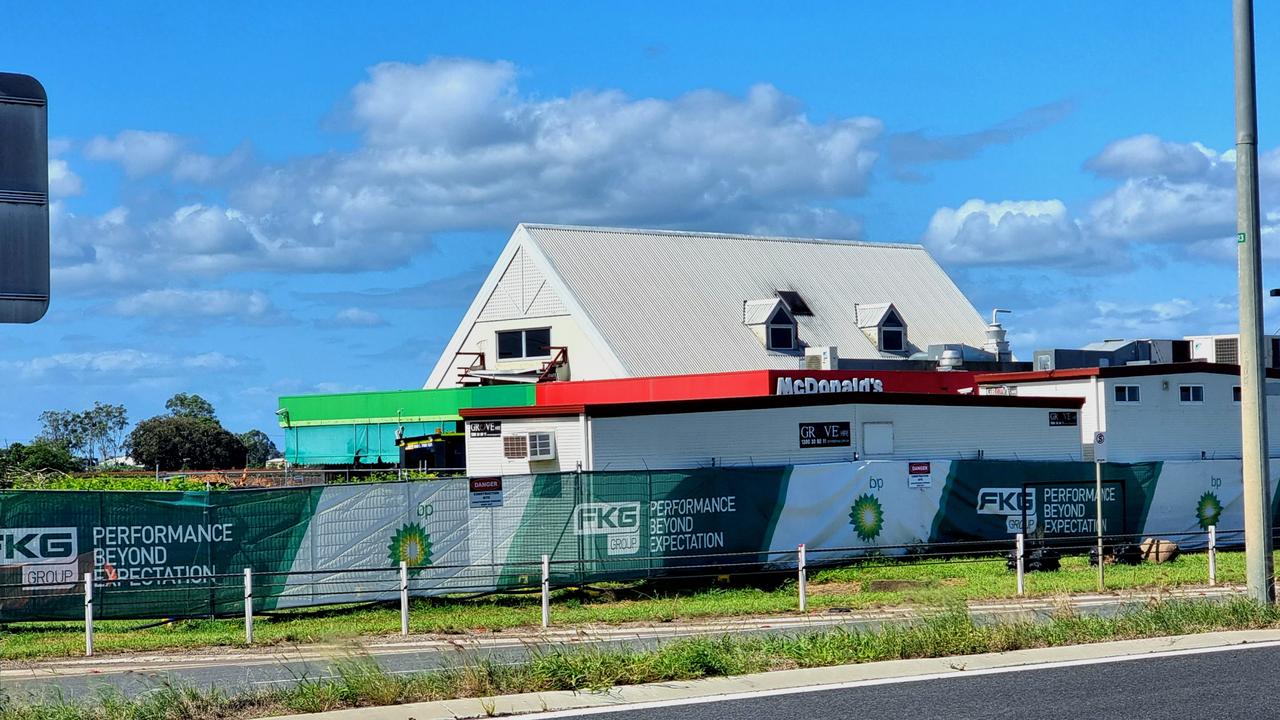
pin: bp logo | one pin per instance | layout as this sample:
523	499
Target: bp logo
866	516
1208	510
410	545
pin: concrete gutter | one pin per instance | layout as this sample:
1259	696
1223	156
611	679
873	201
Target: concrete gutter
632	697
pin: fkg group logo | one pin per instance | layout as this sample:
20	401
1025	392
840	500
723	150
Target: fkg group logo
620	522
1013	503
411	545
48	556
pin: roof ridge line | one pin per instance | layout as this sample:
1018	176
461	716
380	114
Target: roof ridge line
731	236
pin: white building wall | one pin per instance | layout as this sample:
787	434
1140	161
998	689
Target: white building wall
524	300
485	456
771	436
1160	426
954	432
1064	389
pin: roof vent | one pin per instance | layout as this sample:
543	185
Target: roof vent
795	303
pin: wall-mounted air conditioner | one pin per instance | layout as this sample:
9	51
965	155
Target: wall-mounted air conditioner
542	446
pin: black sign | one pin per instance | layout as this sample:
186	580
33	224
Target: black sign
24	199
832	434
1066	418
487	428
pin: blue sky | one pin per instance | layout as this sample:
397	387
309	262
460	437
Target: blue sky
275	198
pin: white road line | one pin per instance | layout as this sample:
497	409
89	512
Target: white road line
582	712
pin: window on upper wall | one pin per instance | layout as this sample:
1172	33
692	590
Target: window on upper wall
1191	393
1235	394
517	344
1128	394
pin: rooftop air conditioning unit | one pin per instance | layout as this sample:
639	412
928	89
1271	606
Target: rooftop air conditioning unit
824	357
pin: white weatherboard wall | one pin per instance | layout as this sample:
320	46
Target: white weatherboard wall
770	436
485	455
1160	426
524	299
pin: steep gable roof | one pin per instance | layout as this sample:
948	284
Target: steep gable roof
613	280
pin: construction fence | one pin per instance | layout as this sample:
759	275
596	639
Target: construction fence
168	554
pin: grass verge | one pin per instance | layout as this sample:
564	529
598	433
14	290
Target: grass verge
362	683
866	585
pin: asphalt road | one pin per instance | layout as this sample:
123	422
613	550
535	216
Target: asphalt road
1236	684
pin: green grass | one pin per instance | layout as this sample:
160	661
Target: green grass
361	683
872	584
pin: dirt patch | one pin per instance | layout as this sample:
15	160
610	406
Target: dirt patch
953	582
895	585
836	588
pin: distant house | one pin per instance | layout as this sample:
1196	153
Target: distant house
587	303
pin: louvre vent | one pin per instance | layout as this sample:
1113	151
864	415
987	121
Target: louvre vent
1226	350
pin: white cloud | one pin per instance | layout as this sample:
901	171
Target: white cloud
252	306
1156	209
452	144
355	317
63	182
1144	155
116	365
1017	231
139	152
1174	192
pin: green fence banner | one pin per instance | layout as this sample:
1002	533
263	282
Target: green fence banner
182	554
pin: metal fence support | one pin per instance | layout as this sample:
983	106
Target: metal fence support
546	591
88	614
248	606
1213	555
803	577
1019	551
404	598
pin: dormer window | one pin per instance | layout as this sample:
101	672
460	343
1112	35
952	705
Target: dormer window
883	326
782	330
772	322
893	337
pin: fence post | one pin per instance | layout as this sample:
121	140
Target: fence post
88	614
803	577
404	598
1019	551
248	606
1213	555
546	591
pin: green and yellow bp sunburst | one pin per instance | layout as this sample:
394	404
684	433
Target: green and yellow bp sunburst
1208	510
410	545
866	516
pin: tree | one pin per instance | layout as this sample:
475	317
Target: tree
39	456
185	442
65	428
259	447
191	406
105	425
93	434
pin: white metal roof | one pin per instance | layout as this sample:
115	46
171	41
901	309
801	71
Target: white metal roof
668	302
758	312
